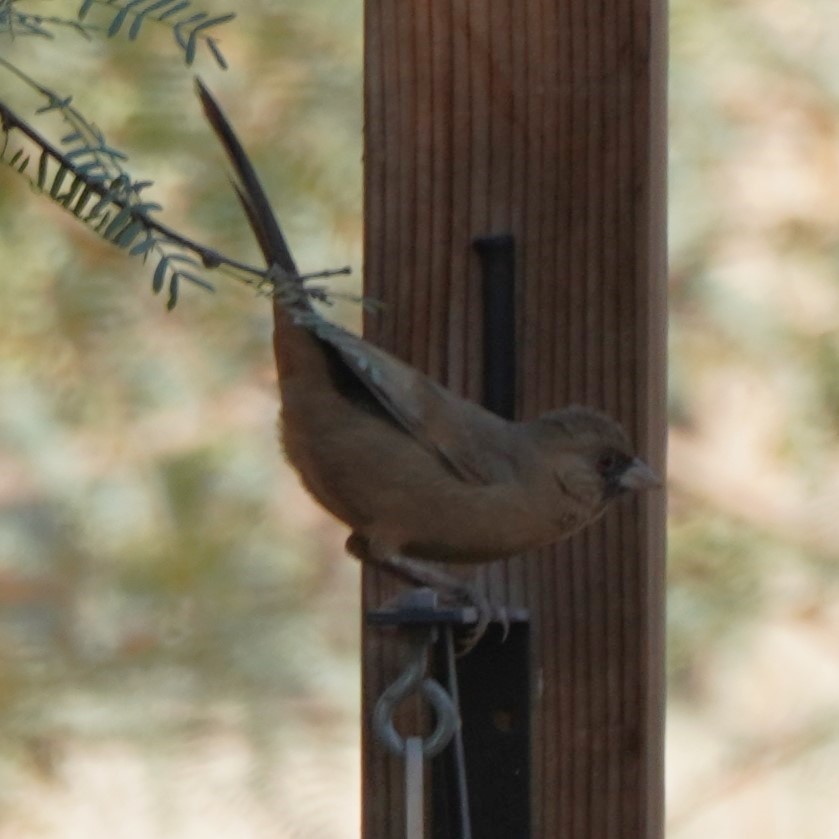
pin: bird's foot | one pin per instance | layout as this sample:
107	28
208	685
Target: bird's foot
449	587
471	595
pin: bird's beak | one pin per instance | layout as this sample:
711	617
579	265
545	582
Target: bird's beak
638	477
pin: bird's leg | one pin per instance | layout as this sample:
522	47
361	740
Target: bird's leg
421	573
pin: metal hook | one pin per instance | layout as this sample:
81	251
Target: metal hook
409	681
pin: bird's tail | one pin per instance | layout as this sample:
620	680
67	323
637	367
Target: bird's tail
266	228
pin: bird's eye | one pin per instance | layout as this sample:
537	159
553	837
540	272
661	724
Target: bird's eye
608	462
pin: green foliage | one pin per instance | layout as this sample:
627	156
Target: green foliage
90	183
188	27
16	23
113	17
88	177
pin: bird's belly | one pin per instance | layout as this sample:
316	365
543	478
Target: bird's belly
384	485
464	523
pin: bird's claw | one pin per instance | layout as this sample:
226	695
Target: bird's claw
487	614
502	616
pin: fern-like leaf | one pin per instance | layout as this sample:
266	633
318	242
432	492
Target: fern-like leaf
14	22
58	180
89	181
174	283
86	6
189	28
110	206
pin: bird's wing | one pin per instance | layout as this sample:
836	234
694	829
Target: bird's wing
433	416
470	440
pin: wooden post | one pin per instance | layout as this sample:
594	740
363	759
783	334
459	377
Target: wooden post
544	119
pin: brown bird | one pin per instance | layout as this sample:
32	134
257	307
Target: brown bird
414	470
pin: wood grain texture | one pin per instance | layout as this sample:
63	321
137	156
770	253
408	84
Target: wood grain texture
544	119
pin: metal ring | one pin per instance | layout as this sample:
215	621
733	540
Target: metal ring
447	720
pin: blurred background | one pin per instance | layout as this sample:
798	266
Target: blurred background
178	622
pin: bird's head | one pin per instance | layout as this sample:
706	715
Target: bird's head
593	458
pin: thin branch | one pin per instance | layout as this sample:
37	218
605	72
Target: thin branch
104	196
210	258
